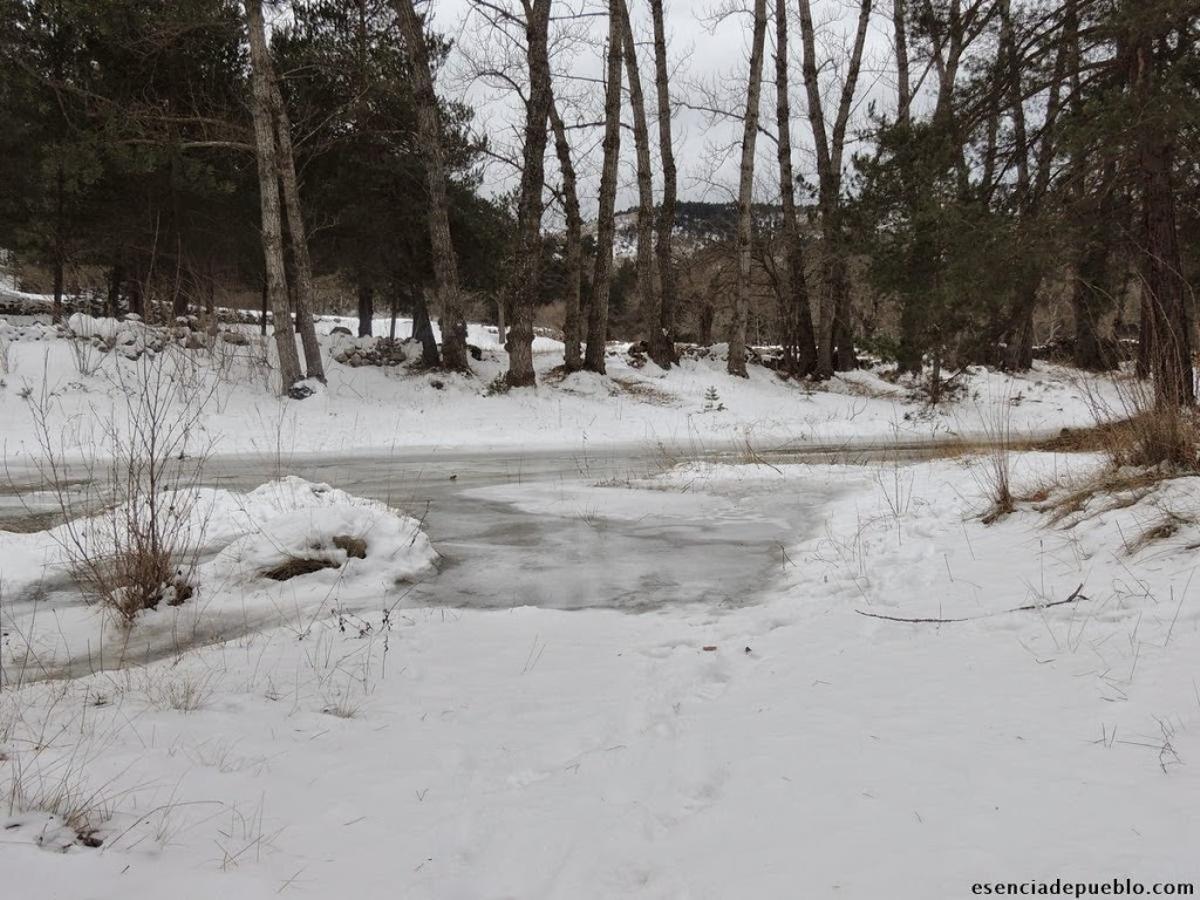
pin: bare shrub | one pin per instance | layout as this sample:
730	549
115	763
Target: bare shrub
87	356
138	545
184	692
994	474
1135	429
60	790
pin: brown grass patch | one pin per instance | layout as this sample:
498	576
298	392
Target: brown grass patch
1122	488
296	567
1146	439
353	547
645	392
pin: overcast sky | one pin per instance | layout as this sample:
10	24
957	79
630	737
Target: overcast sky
709	56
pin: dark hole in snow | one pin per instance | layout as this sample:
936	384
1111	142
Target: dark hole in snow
353	547
294	568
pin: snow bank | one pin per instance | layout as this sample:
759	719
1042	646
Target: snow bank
363	546
30	331
369	407
365	549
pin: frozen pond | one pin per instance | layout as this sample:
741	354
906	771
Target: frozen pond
559	529
568	531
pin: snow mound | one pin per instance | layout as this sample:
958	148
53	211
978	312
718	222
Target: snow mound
34	331
351	543
289	547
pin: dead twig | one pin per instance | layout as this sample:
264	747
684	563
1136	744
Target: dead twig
1075	596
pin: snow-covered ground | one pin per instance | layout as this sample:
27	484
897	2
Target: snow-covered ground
790	746
643	677
693	406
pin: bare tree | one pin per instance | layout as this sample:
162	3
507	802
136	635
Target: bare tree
799	346
445	263
268	189
605	223
572	358
834	348
526	284
1032	182
647	288
662	338
736	364
297	235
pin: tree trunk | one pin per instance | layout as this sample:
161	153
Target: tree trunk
268	189
662	339
445	262
527	282
56	305
835	349
736	364
298	236
116	277
366	308
263	308
903	82
1166	351
605	223
573	359
1164	290
648	308
708	312
799	346
1089	302
423	327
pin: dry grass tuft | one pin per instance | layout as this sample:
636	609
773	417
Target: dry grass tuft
297	566
354	547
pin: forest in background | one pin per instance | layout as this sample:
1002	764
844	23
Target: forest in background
1029	168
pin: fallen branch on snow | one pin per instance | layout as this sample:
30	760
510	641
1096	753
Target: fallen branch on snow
1075	596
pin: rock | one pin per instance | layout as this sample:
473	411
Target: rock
235	337
300	391
341	329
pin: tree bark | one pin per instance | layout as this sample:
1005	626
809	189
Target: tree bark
834	340
116	277
1164	290
572	354
60	253
366	308
662	339
526	283
799	345
423	326
1089	302
648	308
605	223
268	189
736	364
429	132
297	235
903	82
